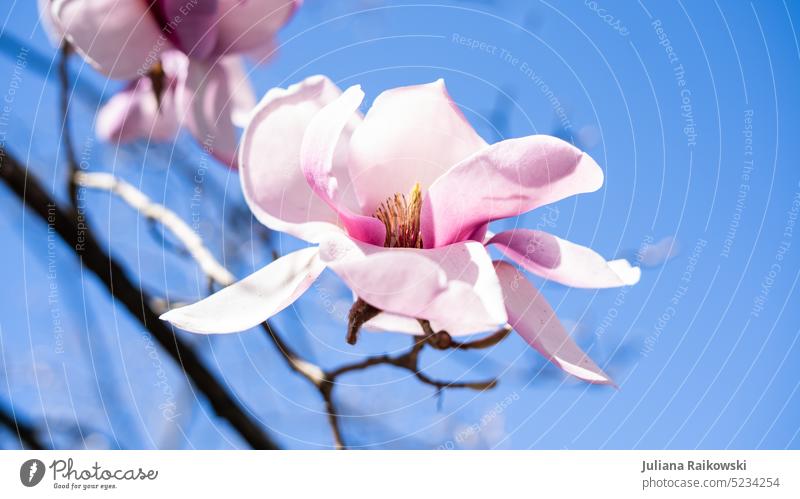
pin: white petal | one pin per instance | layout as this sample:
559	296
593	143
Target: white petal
563	261
254	299
269	160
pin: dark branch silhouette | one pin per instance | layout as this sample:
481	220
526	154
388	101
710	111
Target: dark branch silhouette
66	138
325	381
76	234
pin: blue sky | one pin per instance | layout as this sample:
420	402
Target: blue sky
689	107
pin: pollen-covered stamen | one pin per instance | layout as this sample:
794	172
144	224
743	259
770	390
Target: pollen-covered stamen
400	216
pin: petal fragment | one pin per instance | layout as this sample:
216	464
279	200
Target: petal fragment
247	26
454	287
269	159
317	161
243	98
135	114
254	299
563	261
196	33
410	135
504	180
119	37
206	105
532	317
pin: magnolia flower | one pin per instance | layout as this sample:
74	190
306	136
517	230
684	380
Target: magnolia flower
397	203
182	57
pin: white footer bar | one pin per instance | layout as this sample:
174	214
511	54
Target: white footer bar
383	474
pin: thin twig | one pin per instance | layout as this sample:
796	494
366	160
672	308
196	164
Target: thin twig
308	370
66	138
326	390
485	342
408	360
137	200
313	373
77	235
325	381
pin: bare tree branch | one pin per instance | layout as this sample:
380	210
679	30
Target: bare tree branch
408	361
139	201
485	342
66	138
77	235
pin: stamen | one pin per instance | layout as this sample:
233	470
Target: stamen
401	217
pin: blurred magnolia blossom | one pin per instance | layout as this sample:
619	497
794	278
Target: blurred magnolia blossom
659	253
182	59
397	203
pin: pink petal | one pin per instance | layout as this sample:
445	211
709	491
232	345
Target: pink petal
119	37
532	317
454	287
248	26
410	134
395	323
274	185
252	300
263	54
206	106
49	24
504	180
196	33
562	261
134	114
243	100
317	161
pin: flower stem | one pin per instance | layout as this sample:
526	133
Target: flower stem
359	314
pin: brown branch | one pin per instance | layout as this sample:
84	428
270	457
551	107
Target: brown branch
313	373
485	342
410	362
360	313
66	138
72	228
326	390
441	340
136	199
325	381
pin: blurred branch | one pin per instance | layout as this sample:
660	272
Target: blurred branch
25	434
139	201
66	138
72	228
485	342
325	381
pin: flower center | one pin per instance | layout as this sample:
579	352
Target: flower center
400	216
